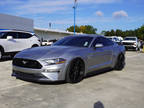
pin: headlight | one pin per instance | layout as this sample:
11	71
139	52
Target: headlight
54	61
135	43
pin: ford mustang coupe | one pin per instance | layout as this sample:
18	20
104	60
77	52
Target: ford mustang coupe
69	59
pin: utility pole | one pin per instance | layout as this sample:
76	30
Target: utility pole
74	7
50	24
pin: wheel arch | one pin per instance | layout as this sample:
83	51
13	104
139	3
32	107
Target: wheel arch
116	58
69	63
2	49
121	53
79	59
35	45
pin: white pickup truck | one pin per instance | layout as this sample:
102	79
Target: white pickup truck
131	43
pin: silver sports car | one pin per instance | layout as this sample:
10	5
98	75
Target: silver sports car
69	59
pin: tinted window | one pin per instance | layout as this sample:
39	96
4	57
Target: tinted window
110	38
75	41
130	39
13	34
53	40
24	35
108	42
3	35
102	40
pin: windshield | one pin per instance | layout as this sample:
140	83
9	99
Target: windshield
74	41
109	38
130	39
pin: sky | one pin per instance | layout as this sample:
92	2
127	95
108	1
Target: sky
102	14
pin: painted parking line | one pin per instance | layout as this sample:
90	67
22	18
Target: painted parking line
133	56
11	87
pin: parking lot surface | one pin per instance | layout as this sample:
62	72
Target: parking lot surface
114	89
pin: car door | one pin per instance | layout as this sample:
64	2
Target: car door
108	51
24	39
95	57
99	57
12	45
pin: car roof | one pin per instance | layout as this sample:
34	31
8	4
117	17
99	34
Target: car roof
88	35
131	37
5	30
112	37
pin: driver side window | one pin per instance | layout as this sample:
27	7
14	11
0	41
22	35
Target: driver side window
13	34
102	40
98	40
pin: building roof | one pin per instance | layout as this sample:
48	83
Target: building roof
55	31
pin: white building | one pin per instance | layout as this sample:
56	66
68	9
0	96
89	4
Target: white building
19	23
49	34
15	23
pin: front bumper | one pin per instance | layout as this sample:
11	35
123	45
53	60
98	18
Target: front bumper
49	74
130	46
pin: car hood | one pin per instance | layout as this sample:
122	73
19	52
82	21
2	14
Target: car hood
46	52
128	41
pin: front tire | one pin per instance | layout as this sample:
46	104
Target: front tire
120	63
75	72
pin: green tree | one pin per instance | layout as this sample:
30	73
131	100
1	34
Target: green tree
112	32
87	29
137	32
107	33
118	32
71	29
103	32
140	32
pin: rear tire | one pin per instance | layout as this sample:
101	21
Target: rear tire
75	71
120	62
1	54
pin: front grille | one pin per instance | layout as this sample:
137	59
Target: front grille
27	75
125	43
26	63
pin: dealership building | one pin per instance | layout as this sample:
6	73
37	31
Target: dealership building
50	34
9	22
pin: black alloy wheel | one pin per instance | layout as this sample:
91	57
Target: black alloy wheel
75	71
120	62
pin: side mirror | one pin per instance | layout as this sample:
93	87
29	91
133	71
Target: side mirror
98	45
9	37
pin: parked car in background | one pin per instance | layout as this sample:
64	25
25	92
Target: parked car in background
115	39
120	38
69	59
44	42
131	43
48	42
12	41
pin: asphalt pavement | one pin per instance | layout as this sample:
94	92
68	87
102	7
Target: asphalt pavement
113	89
